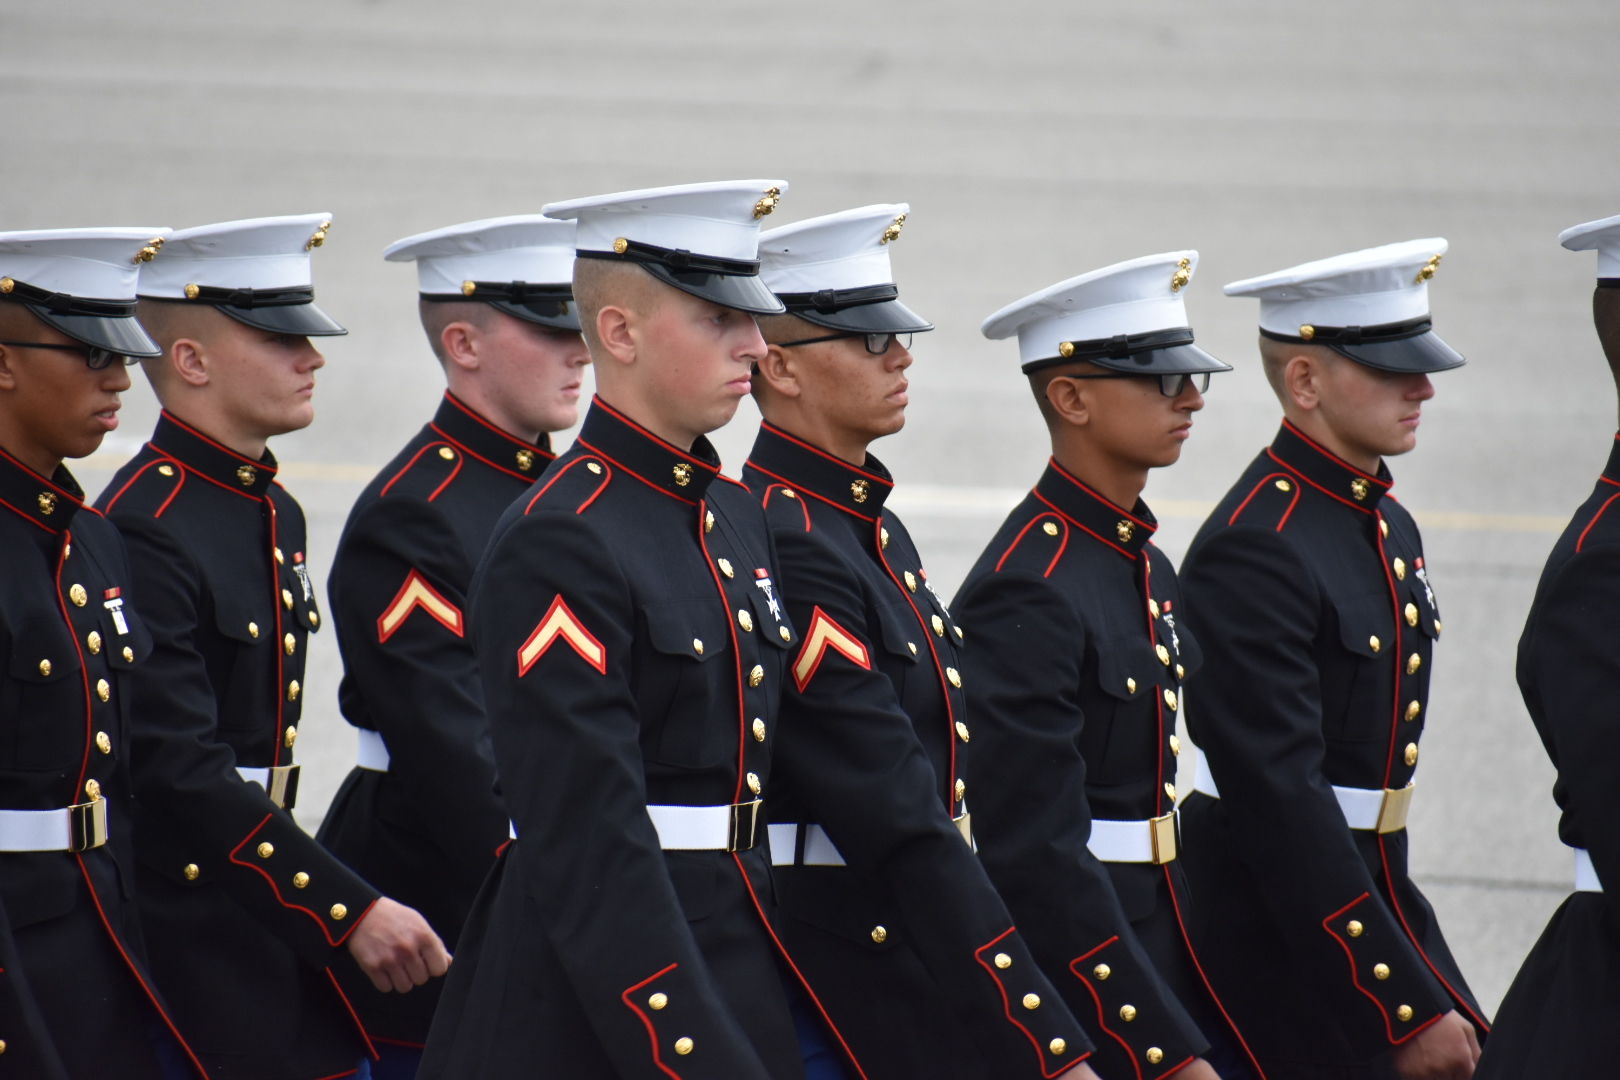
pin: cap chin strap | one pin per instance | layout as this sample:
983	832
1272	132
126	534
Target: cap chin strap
1118	347
828	301
1356	335
64	304
680	260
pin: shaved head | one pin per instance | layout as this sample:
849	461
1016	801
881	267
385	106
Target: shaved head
15	320
438	314
1274	357
168	321
600	283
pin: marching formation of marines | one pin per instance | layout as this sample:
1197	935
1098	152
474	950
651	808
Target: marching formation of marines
679	766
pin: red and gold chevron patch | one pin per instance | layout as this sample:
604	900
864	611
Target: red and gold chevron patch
824	634
560	623
417	593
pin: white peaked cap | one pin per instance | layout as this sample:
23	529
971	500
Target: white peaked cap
846	250
1603	236
256	253
529	248
719	219
1373	287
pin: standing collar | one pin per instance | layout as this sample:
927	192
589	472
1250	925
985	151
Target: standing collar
857	490
199	454
1126	531
50	504
472	434
1328	473
1611	471
680	474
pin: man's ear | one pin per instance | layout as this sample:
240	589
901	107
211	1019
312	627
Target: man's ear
1068	401
460	341
780	370
8	377
617	331
1301	379
190	361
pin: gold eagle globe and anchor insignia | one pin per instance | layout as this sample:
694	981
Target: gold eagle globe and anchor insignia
149	252
767	203
1427	270
892	232
319	236
1183	274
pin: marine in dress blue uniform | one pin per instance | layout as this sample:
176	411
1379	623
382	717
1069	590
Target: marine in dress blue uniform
1554	1020
246	914
76	997
626	932
1318	618
419	816
1078	654
893	920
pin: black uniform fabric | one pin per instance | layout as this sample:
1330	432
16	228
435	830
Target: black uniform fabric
616	675
1556	1019
1318	620
425	831
1076	653
75	995
245	913
908	945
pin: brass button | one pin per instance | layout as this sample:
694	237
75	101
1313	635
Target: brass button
753	783
594	467
300	880
1127	1013
165	470
1411	615
1181	672
954	677
1057	1046
45	668
253	629
957	630
745	620
286	599
1283	485
1437	628
1163	654
960	790
1050	528
103	742
1399	566
1154	1055
290	736
292	690
708	515
103	689
1175	745
1101	972
1380	971
1413	662
683	1045
1003	961
192	871
1413	710
525	459
280	556
1383	528
1404	1014
784	633
93	640
756	676
1032	1001
1170	699
789	493
1170	792
962	731
77	594
92	788
1375	644
1153	607
912	645
266	850
290	644
911	581
339	912
1353	928
447	453
883	537
657	1002
697	646
759	730
682	473
725	566
880	934
1411	754
938	624
1130	685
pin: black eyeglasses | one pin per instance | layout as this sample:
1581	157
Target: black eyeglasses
1169	385
95	357
876	344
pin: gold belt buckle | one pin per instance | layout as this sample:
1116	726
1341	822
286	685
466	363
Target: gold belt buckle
87	825
964	825
1392	812
744	824
283	786
1162	830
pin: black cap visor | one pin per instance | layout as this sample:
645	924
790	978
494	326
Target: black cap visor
740	291
1156	352
302	320
1418	351
1175	360
123	335
888	317
557	314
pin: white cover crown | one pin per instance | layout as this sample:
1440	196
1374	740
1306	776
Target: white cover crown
95	264
1139	296
846	250
530	248
1371	287
255	253
1602	235
719	219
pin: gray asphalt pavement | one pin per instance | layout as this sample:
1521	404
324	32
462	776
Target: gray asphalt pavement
1035	141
